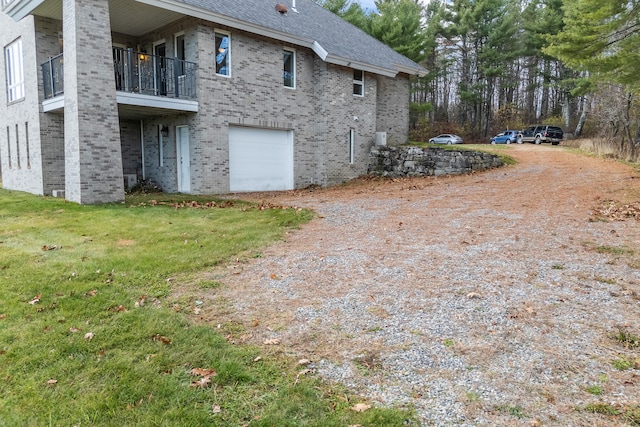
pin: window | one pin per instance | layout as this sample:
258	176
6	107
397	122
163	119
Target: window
179	53
223	61
358	82
289	60
352	145
15	70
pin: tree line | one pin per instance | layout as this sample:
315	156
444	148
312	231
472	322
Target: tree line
506	64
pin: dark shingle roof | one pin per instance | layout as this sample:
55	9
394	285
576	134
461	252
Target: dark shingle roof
332	38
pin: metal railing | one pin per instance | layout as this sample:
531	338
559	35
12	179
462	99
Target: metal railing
135	72
53	76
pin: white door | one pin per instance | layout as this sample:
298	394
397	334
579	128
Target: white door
184	161
260	159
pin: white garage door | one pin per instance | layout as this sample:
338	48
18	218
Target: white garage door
260	159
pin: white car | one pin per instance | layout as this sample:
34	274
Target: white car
446	138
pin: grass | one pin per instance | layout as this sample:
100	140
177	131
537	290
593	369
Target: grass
89	334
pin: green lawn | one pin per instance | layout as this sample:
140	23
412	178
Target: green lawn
89	336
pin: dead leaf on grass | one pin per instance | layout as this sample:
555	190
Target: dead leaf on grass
304	361
73	330
3	316
360	407
272	341
35	299
92	293
203	372
161	338
216	409
89	336
52	382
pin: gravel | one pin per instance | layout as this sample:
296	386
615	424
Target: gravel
481	300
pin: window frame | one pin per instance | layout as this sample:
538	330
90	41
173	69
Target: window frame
222	35
180	52
14	61
352	146
286	50
358	83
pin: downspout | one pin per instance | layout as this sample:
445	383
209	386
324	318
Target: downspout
144	175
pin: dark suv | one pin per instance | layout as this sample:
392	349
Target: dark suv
541	133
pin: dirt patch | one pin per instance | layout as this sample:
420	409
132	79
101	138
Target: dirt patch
484	299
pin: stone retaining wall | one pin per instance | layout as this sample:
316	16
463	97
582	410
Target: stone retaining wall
414	161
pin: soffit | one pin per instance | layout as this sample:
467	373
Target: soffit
127	17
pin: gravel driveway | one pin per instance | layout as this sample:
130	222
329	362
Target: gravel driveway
480	300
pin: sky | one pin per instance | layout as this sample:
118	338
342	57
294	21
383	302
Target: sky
367	4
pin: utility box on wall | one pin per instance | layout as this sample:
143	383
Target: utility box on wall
381	138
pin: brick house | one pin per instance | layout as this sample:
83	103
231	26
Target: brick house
199	96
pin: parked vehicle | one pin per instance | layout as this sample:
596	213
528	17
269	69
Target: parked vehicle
446	138
541	133
506	137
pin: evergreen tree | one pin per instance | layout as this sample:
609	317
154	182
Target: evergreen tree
603	38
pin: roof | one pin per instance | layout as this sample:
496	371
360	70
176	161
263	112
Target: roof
332	38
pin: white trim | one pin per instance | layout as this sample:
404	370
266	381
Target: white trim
137	99
175	44
226	34
164	102
294	59
14	61
352	145
358	82
20	9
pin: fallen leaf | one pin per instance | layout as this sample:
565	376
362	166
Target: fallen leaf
35	299
202	382
88	336
73	330
92	293
161	338
472	295
360	407
119	308
255	323
216	409
257	359
272	341
304	361
204	372
52	381
3	316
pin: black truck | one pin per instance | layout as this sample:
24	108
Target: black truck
541	133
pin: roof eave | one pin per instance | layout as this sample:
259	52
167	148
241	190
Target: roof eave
228	21
21	8
413	71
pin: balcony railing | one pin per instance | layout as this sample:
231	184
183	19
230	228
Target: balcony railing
135	72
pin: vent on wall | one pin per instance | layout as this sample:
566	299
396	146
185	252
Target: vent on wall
381	138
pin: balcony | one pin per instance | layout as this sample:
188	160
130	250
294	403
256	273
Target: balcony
135	73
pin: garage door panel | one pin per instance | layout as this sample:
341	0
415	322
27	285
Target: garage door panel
260	160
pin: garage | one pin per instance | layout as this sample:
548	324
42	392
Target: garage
260	159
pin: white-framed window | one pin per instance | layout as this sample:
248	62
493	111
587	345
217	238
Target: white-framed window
15	70
223	54
289	67
179	52
358	82
352	145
